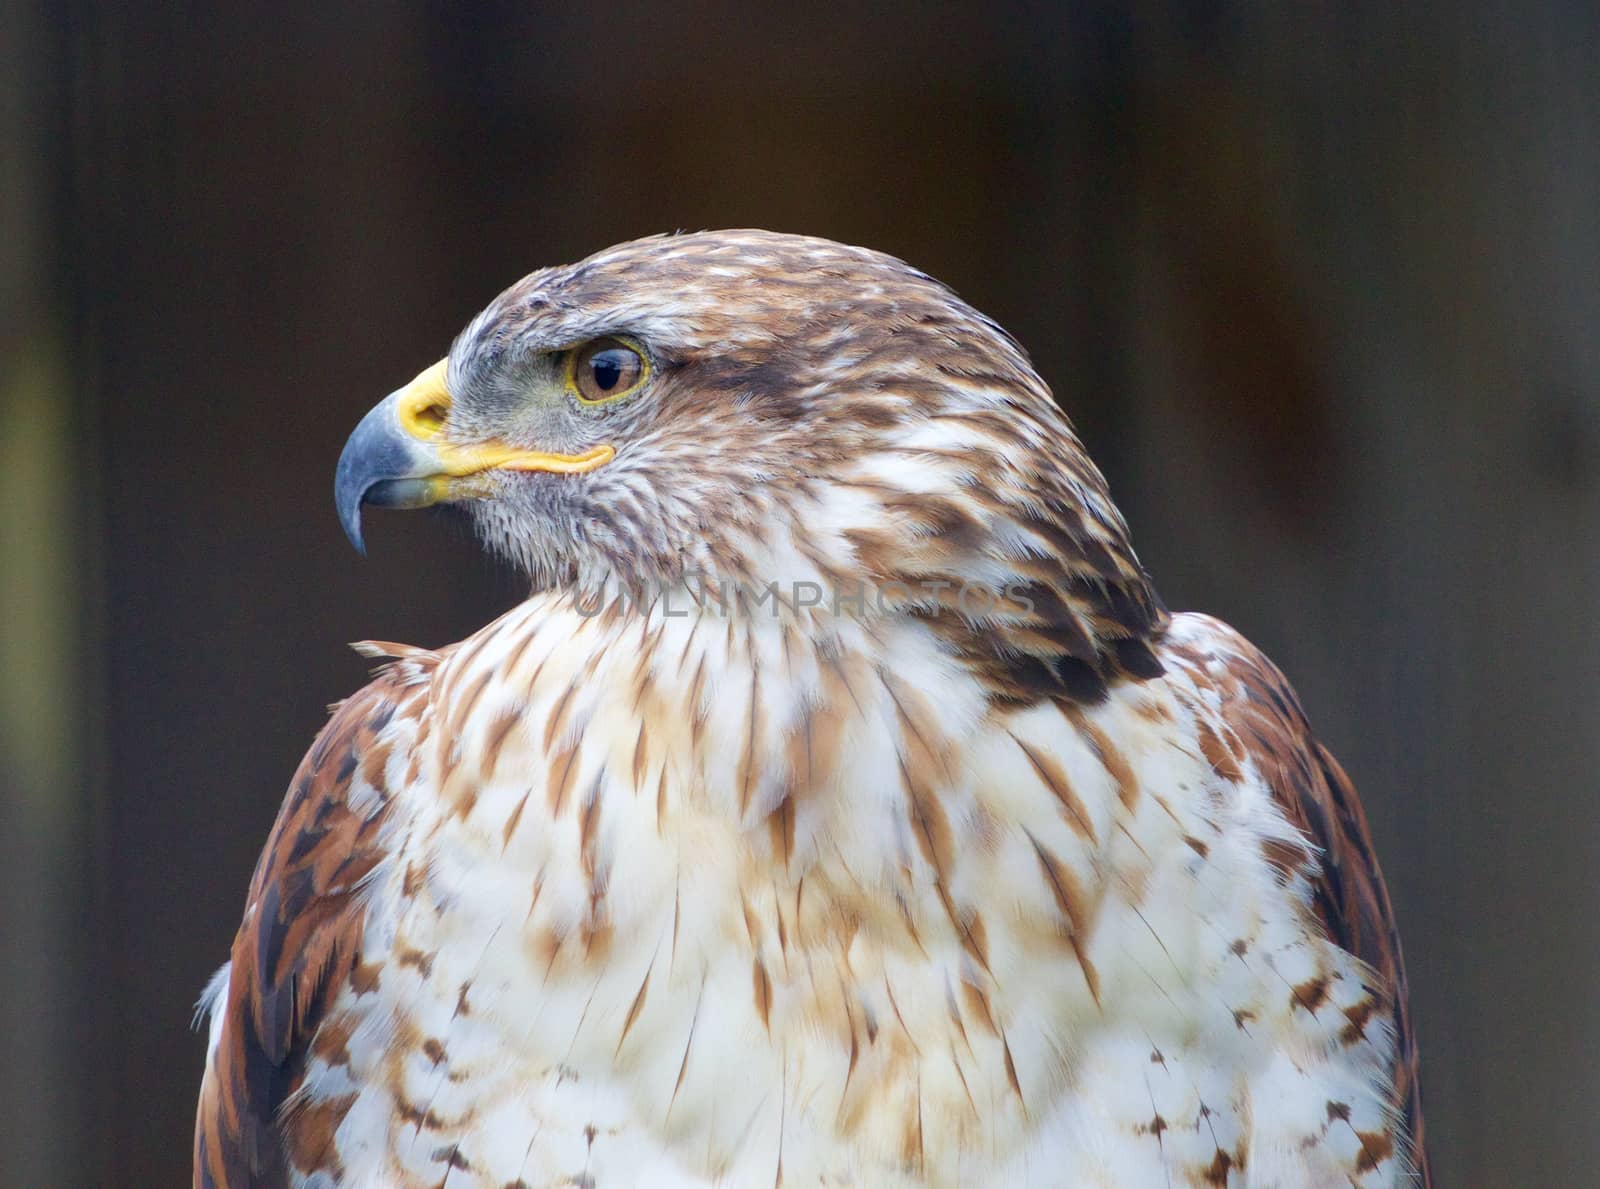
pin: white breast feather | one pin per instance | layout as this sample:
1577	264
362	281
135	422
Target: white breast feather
593	977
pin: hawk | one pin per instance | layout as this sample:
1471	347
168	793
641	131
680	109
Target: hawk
842	806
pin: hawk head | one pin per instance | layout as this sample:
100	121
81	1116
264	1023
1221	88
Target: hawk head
760	408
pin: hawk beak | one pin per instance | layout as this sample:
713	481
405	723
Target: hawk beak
398	458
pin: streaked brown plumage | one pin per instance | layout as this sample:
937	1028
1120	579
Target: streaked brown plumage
842	891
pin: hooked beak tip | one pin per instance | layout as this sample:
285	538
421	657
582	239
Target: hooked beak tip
376	451
349	494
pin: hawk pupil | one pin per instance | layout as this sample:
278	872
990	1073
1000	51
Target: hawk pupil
608	367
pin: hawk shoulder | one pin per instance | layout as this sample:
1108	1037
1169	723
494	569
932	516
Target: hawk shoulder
1312	790
301	934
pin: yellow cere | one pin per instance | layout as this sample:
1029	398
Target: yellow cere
424	403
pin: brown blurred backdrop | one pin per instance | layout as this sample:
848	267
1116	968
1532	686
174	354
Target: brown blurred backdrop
1319	283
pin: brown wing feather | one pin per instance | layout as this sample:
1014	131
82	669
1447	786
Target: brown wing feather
1348	892
299	941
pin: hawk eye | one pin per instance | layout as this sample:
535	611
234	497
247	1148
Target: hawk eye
606	369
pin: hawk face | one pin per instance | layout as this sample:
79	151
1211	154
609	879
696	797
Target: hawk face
766	408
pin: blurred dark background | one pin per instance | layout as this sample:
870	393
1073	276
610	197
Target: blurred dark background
1319	283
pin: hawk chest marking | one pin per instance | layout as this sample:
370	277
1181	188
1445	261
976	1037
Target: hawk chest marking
813	916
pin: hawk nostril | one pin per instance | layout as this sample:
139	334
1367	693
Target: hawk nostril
424	415
423	405
429	419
